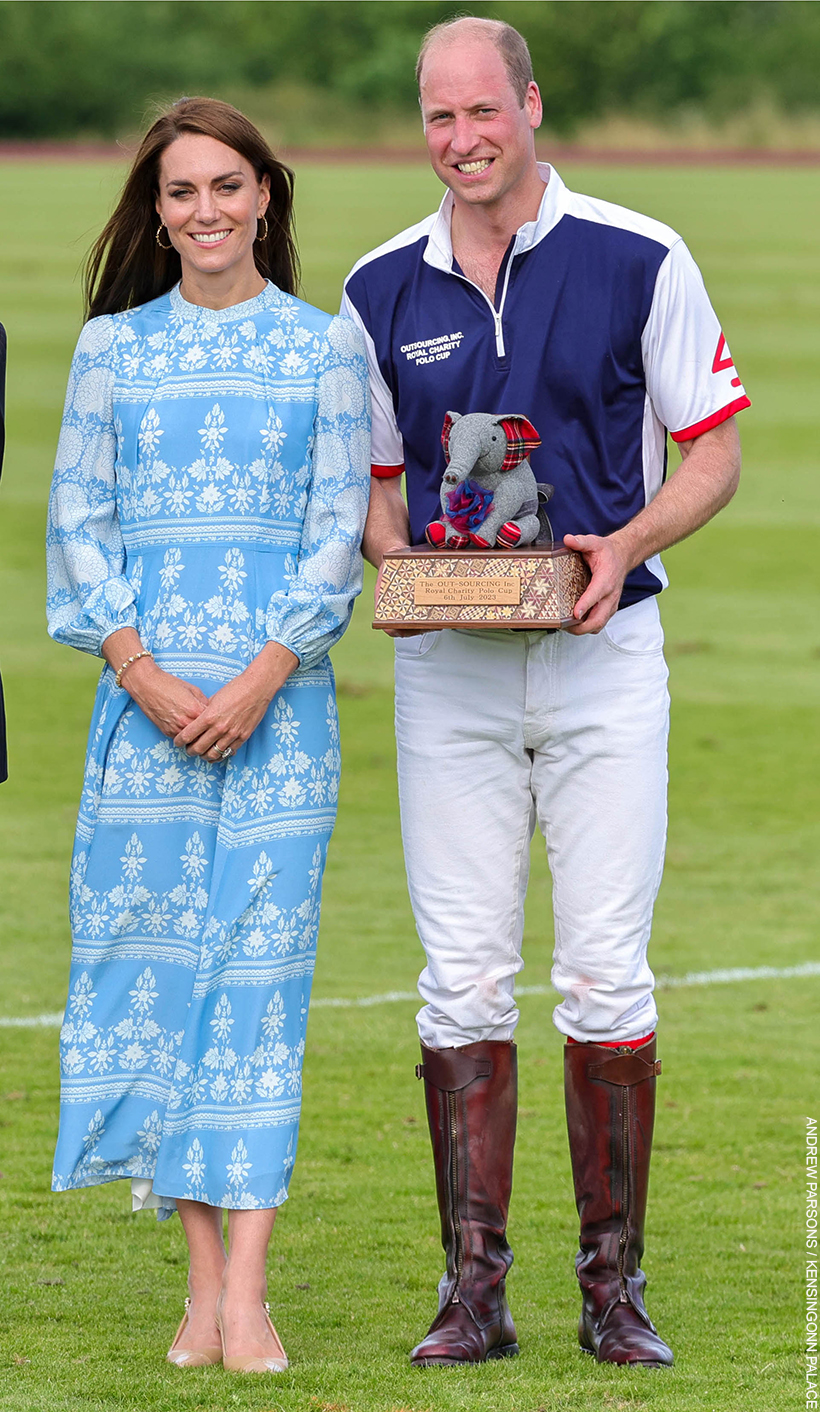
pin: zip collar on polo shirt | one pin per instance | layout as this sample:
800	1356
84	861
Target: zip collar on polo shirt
439	249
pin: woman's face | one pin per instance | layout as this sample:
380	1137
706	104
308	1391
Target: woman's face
210	201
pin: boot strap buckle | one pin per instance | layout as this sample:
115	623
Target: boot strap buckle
452	1070
625	1069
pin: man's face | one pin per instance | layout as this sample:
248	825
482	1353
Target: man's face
478	135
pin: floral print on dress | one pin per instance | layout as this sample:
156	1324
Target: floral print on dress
210	490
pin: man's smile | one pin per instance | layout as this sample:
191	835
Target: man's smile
480	164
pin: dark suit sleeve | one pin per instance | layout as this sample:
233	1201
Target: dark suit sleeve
2	395
3	759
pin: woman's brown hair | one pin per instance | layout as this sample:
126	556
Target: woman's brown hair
126	266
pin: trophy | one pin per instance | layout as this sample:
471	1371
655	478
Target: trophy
491	560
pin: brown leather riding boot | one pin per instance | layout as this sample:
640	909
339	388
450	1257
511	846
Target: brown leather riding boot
610	1096
471	1097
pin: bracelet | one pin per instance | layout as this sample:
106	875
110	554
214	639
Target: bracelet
127	663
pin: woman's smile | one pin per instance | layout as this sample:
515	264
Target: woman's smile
209	237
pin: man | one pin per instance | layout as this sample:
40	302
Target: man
519	296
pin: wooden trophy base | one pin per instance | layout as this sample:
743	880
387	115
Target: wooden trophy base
535	588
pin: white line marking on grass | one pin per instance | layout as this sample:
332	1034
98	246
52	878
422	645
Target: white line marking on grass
741	973
364	1000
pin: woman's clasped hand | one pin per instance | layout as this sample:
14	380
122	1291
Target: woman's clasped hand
202	725
236	709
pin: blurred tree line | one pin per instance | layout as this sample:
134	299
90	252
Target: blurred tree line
91	67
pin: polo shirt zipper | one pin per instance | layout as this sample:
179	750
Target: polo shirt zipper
497	314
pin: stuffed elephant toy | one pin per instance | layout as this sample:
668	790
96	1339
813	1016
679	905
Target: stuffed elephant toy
489	495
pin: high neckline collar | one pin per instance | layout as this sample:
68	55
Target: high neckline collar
265	299
439	248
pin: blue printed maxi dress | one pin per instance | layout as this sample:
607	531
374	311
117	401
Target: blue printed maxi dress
210	490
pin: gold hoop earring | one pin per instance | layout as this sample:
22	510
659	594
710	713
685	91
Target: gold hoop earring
264	234
159	242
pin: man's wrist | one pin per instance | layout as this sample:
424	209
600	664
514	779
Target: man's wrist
628	544
374	552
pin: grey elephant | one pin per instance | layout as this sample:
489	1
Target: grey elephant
489	495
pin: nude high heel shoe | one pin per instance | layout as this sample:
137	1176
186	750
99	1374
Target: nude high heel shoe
236	1363
187	1357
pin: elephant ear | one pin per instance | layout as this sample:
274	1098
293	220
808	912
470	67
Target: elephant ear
449	420
522	438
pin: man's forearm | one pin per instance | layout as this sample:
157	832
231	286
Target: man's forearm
700	487
388	523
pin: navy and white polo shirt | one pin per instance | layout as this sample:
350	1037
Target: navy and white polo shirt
601	333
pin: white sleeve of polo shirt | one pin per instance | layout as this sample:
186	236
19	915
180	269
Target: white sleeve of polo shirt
386	445
690	377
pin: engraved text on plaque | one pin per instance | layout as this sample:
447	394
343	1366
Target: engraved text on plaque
439	591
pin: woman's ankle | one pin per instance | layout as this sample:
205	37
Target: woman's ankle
238	1288
204	1285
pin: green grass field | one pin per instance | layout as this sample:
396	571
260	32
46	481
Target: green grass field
89	1295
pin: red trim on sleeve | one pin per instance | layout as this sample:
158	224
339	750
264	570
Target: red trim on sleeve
689	433
385	472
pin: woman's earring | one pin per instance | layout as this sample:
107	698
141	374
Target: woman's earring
264	234
160	229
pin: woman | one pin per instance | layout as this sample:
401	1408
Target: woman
204	528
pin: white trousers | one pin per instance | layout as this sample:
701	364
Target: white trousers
495	732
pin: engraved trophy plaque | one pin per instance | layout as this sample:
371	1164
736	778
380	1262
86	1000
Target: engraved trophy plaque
535	588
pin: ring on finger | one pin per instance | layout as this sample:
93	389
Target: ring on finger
226	753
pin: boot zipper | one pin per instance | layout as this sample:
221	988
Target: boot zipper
454	1214
623	1297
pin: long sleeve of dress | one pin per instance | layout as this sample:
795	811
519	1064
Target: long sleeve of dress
88	594
313	612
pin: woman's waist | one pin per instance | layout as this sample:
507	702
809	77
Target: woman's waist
262	535
209	598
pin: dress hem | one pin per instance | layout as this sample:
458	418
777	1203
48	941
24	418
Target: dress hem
85	1183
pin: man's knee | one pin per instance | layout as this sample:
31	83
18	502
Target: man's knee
467	1012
